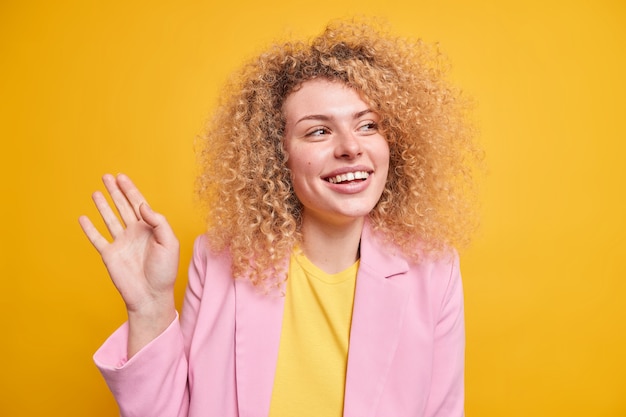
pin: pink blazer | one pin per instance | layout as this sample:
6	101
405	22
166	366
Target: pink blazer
406	354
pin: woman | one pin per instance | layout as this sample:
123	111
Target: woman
335	174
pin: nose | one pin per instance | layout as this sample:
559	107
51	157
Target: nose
348	146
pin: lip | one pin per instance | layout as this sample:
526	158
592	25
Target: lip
349	187
345	170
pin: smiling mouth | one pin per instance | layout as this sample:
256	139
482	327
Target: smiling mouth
348	177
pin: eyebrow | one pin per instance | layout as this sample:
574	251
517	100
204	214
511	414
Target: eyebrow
326	117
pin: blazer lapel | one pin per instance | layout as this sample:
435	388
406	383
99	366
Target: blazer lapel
379	307
258	326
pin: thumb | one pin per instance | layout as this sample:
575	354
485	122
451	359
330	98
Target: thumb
162	230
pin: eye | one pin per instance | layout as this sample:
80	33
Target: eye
317	132
368	127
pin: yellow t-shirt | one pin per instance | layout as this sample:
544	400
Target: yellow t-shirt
312	359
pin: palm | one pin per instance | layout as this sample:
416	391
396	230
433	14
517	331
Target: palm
137	254
142	259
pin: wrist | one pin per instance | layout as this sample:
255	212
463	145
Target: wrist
148	322
154	313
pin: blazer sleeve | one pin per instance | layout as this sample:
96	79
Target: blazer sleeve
446	398
154	382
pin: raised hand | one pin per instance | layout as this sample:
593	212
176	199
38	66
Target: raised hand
142	258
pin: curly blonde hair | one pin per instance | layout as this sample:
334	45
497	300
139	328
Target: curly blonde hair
246	185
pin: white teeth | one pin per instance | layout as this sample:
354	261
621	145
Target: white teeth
349	176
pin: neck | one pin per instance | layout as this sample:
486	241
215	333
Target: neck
332	247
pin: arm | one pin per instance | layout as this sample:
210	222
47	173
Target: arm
143	362
142	259
447	386
194	291
151	383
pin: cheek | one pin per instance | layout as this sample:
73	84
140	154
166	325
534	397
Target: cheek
382	153
384	164
291	150
300	162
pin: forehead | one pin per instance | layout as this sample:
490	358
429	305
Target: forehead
324	97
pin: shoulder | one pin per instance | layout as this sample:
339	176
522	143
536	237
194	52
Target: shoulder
436	281
207	261
204	251
382	252
443	265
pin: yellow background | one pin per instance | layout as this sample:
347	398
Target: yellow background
88	87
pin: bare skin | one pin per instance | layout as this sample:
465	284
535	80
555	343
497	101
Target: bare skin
142	258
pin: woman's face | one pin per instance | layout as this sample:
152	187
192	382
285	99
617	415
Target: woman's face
337	156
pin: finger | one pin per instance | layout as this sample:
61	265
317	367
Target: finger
108	216
127	212
97	240
163	232
132	193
